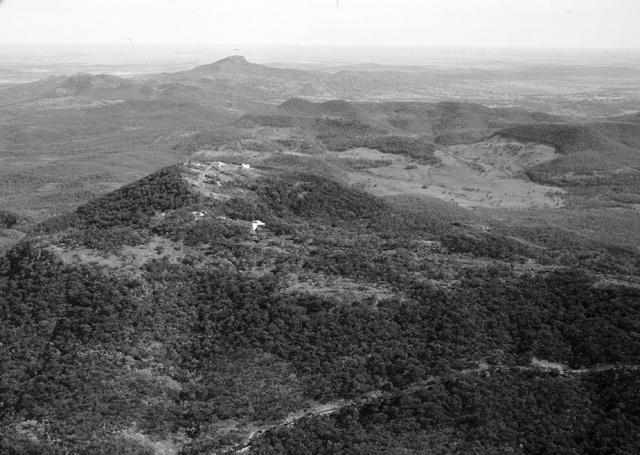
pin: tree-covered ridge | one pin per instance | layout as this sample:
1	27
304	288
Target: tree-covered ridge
197	349
134	204
83	324
495	412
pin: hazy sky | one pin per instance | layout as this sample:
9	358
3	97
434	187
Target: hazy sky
512	23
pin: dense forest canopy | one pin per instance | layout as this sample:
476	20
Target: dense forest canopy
222	329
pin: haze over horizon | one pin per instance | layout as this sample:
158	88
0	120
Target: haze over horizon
586	24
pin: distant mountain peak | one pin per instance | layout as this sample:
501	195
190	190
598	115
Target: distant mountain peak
233	59
237	65
231	63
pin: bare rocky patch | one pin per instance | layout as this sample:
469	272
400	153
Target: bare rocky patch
129	259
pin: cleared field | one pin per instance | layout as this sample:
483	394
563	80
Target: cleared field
487	174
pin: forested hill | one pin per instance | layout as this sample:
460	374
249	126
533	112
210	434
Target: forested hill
160	318
341	124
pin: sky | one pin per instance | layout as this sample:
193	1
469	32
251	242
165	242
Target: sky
431	23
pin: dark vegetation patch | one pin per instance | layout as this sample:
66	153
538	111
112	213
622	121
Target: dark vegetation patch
312	197
134	204
489	245
69	330
499	413
8	219
419	149
564	137
364	163
122	217
180	227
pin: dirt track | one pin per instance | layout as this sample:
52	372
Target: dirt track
332	408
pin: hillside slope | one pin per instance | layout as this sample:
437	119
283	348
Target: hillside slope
598	162
161	318
444	122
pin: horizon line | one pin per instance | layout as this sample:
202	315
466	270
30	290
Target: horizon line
319	45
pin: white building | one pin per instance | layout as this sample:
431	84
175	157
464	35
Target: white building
255	224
